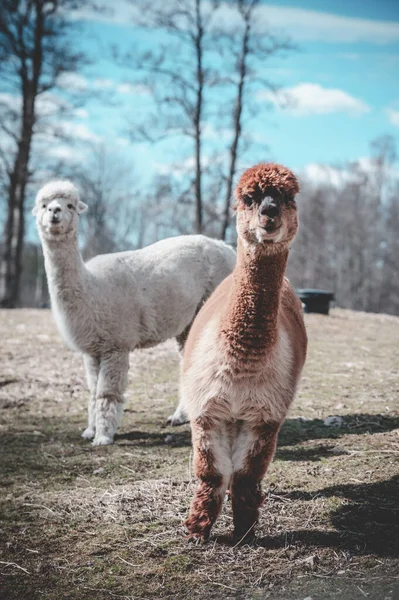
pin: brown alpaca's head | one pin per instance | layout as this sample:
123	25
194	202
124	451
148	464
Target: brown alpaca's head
266	208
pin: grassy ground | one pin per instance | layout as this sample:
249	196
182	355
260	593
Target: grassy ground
80	523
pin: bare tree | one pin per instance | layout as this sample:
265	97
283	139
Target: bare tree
177	76
34	51
348	240
199	79
248	48
116	207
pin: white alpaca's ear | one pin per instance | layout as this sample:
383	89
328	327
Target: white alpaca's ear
81	207
34	210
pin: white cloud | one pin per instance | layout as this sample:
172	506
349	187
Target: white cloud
124	88
324	174
393	116
48	105
102	83
81	113
78	131
313	99
121	12
300	23
322	26
65	153
311	25
211	132
8	99
321	174
123	142
138	89
72	81
180	168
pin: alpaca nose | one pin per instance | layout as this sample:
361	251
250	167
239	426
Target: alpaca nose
56	216
269	213
269	208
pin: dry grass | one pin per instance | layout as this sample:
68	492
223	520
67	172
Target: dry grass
82	523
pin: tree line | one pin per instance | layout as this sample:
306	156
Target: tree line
348	239
202	78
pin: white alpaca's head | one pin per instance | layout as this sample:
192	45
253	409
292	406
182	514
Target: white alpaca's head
57	209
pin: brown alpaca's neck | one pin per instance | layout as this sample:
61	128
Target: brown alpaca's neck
250	324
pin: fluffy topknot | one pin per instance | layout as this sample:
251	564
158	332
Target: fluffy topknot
263	179
60	188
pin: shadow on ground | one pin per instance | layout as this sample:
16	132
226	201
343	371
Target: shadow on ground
295	431
367	522
19	449
142	438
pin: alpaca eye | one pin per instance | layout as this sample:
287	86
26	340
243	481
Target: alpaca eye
70	205
248	201
43	206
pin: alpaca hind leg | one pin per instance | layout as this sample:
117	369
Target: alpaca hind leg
179	417
112	382
212	465
92	368
182	338
253	451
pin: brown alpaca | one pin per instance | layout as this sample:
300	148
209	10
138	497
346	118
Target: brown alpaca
244	356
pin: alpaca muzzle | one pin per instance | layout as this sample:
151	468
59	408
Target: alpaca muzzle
55	214
269	214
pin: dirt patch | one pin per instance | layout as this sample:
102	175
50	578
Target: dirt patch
78	522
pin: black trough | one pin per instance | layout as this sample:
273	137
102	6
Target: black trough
316	301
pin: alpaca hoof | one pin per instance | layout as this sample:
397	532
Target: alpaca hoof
88	433
178	418
243	538
102	440
196	538
195	532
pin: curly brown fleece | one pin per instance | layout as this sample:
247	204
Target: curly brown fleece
264	179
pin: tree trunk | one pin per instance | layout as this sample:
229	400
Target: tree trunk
197	120
11	265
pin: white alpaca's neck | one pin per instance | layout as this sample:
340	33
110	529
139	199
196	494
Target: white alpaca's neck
65	268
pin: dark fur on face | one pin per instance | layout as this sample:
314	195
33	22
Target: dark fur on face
265	179
267	185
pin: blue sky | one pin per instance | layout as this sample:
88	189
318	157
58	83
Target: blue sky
343	85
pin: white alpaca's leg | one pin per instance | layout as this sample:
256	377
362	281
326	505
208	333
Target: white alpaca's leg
111	384
92	368
179	417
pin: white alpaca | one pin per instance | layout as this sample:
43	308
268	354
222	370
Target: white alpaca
118	302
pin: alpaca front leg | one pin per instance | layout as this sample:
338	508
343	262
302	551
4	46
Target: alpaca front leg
254	450
213	467
92	368
112	382
179	417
